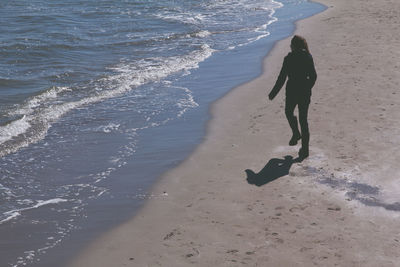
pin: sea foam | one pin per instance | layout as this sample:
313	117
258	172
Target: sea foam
17	212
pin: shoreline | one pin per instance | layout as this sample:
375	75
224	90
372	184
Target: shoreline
169	145
207	213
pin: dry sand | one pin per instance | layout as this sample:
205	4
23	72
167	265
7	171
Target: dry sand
315	213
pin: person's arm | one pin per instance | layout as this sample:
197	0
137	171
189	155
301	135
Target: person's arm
312	74
279	82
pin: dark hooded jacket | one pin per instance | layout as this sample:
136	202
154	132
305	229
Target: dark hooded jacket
298	66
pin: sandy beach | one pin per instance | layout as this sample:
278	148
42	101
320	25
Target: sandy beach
240	199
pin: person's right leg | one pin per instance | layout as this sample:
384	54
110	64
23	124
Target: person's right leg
305	134
290	105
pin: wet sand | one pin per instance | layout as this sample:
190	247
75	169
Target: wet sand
238	201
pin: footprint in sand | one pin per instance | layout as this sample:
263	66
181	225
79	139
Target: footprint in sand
171	234
232	251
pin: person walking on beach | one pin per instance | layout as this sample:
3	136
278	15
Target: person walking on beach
298	66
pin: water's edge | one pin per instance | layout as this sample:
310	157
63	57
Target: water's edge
207	120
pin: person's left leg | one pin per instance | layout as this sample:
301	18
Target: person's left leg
305	133
290	105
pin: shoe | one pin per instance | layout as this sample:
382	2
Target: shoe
303	153
294	139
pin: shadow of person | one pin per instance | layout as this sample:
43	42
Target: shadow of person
274	169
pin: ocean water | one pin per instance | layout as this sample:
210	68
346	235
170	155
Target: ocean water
99	98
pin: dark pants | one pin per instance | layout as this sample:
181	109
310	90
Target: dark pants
303	103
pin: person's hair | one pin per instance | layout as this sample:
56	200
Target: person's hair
299	43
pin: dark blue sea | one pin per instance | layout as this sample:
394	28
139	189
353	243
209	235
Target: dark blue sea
99	97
